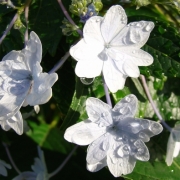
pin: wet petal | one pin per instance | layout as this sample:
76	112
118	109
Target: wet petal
114	20
98	111
84	133
114	79
96	167
98	149
91	31
134	35
127	107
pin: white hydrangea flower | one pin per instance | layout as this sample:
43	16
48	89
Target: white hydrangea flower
115	138
173	145
39	169
3	166
111	46
22	83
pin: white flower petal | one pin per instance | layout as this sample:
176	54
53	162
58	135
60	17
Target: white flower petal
98	149
86	51
92	32
142	152
98	111
170	150
41	90
131	70
114	20
96	167
132	55
119	166
89	68
42	98
33	50
134	35
114	79
84	133
127	107
16	123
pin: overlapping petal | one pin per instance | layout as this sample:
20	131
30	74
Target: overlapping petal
118	45
22	82
115	139
84	132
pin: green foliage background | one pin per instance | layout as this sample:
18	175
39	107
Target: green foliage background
67	105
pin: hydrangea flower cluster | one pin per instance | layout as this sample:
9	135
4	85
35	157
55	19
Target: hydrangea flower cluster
113	47
115	138
23	83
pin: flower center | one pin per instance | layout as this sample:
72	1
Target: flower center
107	45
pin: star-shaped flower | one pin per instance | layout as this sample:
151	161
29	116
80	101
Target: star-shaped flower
111	46
173	146
116	138
22	83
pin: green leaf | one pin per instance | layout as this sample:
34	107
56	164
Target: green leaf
48	136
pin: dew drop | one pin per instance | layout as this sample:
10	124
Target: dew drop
97	20
87	81
156	128
144	136
124	110
149	27
128	99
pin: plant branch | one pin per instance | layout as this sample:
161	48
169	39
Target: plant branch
144	83
9	27
10	158
60	63
26	14
64	162
68	17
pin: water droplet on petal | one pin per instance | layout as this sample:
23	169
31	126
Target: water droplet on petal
127	98
124	110
144	136
149	26
87	81
156	128
97	20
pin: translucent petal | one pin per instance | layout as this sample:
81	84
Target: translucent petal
34	99
114	20
10	104
91	31
142	152
98	149
89	68
16	123
33	51
125	108
134	35
131	69
98	111
96	167
120	166
84	51
84	133
170	150
114	79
